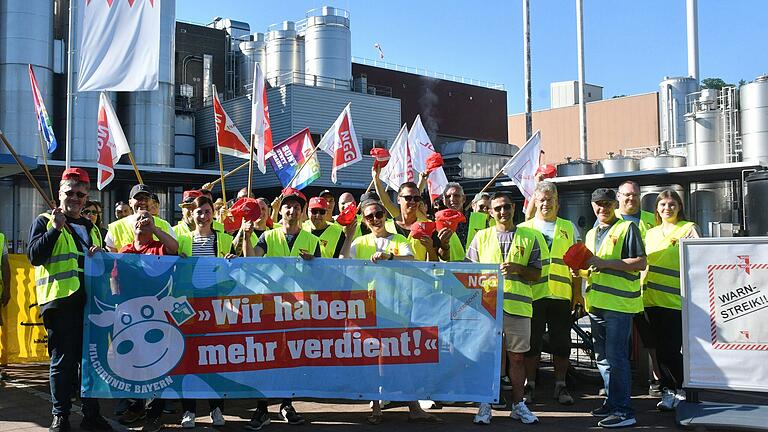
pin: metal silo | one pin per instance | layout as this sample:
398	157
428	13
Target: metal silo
754	120
328	41
705	144
672	93
149	117
252	51
284	52
184	141
26	37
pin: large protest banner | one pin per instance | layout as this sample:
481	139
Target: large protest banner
280	327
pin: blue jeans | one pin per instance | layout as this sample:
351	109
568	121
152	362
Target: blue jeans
610	331
65	346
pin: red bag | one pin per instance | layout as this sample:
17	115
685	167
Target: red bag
380	156
549	171
420	230
347	216
449	218
577	255
434	161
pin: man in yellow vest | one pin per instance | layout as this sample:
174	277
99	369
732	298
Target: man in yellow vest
187	224
555	294
331	236
517	252
285	241
613	298
328	196
58	243
121	232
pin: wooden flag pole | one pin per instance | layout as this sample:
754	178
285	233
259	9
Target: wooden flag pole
369	187
221	172
31	179
487	185
44	148
135	168
250	167
209	186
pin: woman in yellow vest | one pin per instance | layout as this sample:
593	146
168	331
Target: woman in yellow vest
382	245
661	292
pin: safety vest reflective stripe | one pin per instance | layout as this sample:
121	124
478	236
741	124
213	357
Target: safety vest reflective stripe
663	288
664	271
57	277
63	257
662	281
609	289
561	279
517	297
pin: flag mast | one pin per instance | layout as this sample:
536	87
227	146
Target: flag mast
70	55
221	162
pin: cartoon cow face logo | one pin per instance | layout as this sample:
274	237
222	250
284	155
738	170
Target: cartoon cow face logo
145	345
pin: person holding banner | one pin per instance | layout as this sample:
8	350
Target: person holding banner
613	298
382	245
331	236
121	232
555	294
661	292
58	242
517	252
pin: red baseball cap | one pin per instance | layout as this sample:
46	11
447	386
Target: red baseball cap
76	173
293	194
189	196
318	202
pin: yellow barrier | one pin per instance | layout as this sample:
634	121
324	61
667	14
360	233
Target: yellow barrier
22	336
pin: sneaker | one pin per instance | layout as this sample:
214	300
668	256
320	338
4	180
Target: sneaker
60	424
602	392
289	414
188	420
603	411
668	401
217	417
152	425
521	412
95	423
506	384
133	414
617	421
483	415
654	388
680	396
528	393
258	420
562	396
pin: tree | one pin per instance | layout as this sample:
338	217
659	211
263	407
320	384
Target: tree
714	83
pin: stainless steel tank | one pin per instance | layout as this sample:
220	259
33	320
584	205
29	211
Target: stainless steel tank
757	205
328	42
661	161
705	144
184	141
672	93
149	115
754	120
252	52
576	167
619	164
284	52
576	206
26	37
714	202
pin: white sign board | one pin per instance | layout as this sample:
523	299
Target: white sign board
725	313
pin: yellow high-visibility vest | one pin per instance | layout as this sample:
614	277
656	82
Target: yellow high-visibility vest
329	239
647	221
122	232
277	245
365	246
223	244
661	285
555	280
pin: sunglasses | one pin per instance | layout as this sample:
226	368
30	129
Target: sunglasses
70	194
317	211
372	216
89	212
411	198
506	207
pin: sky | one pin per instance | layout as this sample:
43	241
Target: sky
629	45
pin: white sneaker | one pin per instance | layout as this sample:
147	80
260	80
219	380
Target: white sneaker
483	415
668	401
217	417
680	396
521	412
188	420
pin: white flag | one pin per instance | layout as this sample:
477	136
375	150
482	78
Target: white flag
111	142
421	148
399	169
261	130
521	169
340	142
119	45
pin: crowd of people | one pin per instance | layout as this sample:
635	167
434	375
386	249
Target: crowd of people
632	277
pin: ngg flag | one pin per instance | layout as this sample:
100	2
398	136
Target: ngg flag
111	142
288	156
340	142
200	328
44	124
119	45
228	138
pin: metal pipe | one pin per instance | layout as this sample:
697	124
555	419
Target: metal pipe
693	38
527	68
582	92
70	56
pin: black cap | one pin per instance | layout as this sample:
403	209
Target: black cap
140	188
325	192
155	197
368	196
603	194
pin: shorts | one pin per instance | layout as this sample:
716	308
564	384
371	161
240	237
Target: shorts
553	315
644	329
517	333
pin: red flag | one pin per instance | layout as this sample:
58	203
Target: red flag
228	137
111	142
261	130
340	142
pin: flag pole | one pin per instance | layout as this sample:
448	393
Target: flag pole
306	159
209	186
45	161
135	168
250	169
70	56
31	179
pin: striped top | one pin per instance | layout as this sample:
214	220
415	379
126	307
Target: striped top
204	246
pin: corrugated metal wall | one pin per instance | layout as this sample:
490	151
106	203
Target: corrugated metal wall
294	107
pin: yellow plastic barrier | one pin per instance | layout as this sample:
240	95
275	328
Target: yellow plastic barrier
22	336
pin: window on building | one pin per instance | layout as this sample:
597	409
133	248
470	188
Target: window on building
316	137
206	155
369	143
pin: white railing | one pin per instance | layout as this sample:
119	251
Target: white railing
426	72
